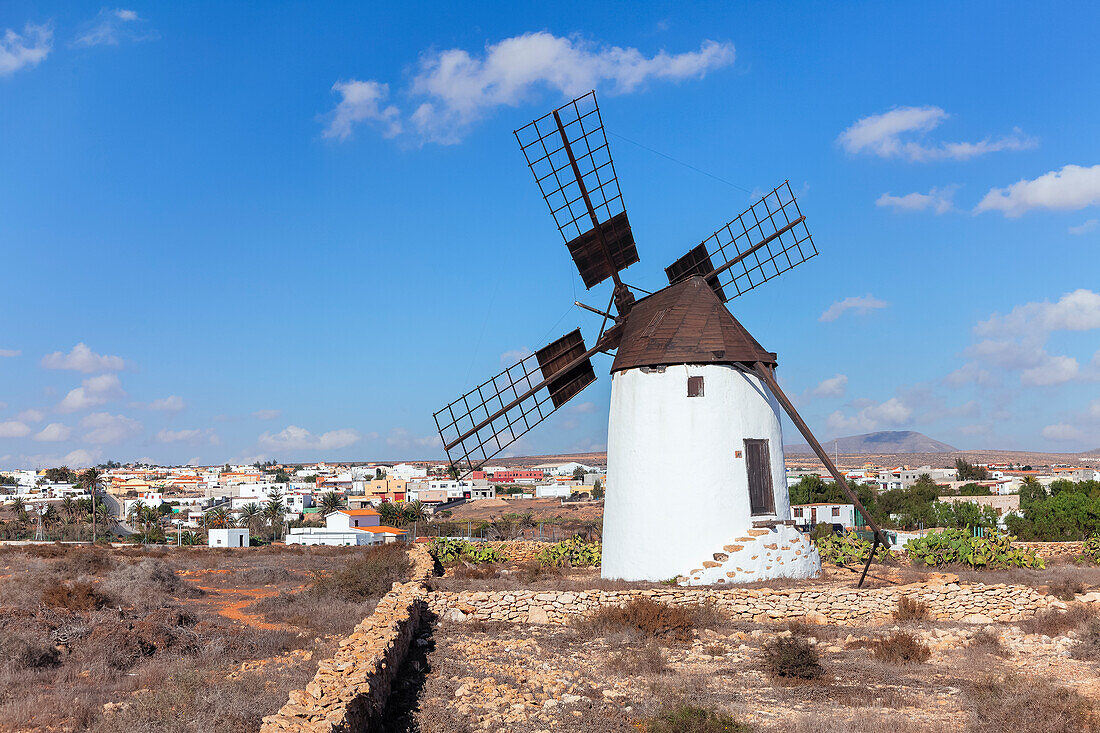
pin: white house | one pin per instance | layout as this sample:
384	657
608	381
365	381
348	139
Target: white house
824	513
227	537
347	527
545	491
406	472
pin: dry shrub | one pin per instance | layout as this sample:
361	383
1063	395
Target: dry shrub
369	576
648	618
985	641
910	609
901	647
466	571
20	651
1087	646
74	596
89	561
1053	622
715	650
792	657
645	660
50	551
1066	589
1028	705
145	584
533	572
692	719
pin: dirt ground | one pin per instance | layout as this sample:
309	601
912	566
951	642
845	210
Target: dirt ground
581	677
165	639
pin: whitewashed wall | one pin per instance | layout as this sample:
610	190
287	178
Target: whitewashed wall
675	492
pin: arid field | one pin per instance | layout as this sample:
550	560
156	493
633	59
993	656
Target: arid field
191	639
173	639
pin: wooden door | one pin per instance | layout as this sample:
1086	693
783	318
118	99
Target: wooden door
758	463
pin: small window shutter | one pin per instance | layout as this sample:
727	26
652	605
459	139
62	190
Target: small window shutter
695	386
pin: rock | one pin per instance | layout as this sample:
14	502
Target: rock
538	615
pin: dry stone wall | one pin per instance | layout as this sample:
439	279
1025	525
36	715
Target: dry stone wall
972	603
1048	550
349	690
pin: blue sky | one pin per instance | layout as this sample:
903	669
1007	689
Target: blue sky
291	231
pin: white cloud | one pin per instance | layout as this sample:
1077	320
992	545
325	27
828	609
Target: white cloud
55	432
295	438
584	407
939	200
266	414
1063	432
83	359
1075	311
514	356
31	415
453	89
870	416
834	386
1071	188
7	353
859	304
1055	370
969	373
976	429
1016	340
1086	227
93	391
362	101
891	135
172	403
192	436
80	458
402	438
112	26
18	51
13	429
104	428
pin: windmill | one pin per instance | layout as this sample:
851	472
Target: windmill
696	485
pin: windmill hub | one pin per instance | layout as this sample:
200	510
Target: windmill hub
696	485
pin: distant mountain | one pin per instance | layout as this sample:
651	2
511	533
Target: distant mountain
885	441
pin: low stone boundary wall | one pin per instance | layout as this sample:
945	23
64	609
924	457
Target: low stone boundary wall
972	603
349	690
1048	550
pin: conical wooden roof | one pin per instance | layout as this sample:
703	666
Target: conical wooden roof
685	323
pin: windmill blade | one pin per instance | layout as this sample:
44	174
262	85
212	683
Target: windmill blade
568	154
767	239
498	412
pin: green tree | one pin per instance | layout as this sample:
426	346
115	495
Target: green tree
251	514
578	474
969	472
274	511
974	490
216	518
597	490
330	502
413	511
391	513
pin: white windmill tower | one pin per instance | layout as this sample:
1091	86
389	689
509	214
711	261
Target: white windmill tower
696	481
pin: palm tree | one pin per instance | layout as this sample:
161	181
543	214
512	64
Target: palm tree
50	516
274	510
216	518
134	515
68	506
391	513
250	514
20	508
330	502
88	480
414	512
